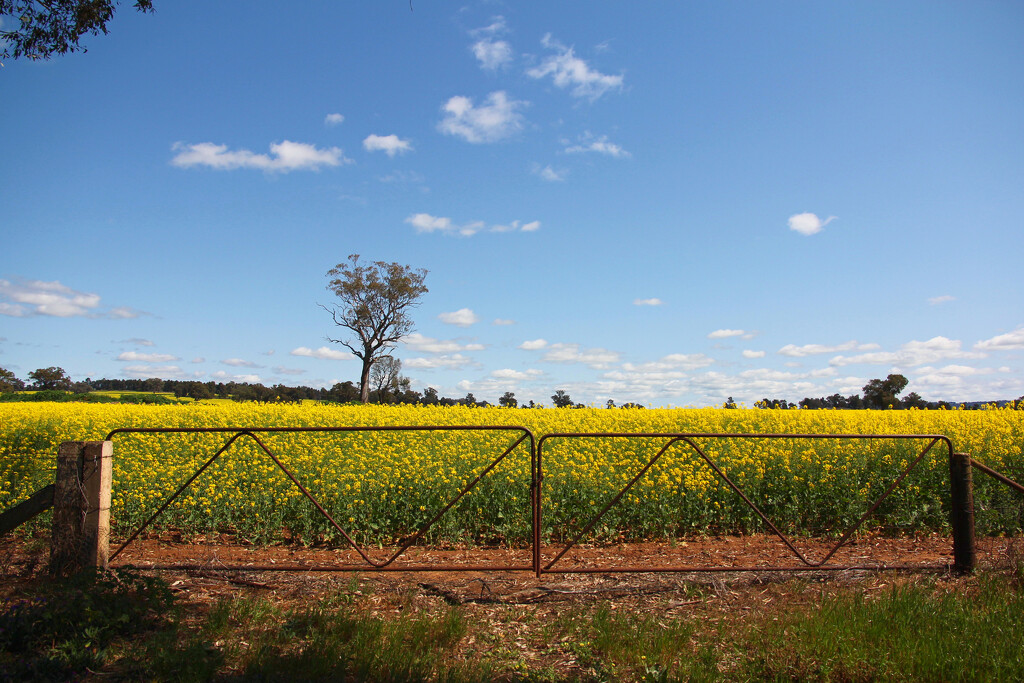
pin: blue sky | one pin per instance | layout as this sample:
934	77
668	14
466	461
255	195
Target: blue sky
666	203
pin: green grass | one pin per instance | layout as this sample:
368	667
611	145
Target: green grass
125	626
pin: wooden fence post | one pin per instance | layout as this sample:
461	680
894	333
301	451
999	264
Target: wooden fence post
962	513
81	507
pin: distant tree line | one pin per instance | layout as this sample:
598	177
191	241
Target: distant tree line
389	386
879	394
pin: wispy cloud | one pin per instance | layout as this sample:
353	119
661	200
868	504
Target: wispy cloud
937	300
533	345
647	302
424	222
463	317
503	321
26	298
136	341
510	374
333	119
147	357
389	144
566	70
240	363
497	119
588	143
808	223
452	362
492	54
814	349
284	157
550	174
747	353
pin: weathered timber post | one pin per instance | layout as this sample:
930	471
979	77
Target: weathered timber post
962	513
81	507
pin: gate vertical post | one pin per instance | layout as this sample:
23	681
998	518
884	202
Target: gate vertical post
81	507
962	513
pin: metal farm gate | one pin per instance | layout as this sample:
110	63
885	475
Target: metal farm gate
82	506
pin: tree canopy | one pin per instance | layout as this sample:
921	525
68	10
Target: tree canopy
882	393
50	378
374	305
43	28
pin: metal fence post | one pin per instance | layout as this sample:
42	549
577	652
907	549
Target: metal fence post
81	507
962	513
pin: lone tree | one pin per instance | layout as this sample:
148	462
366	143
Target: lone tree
561	399
43	28
50	378
882	393
375	303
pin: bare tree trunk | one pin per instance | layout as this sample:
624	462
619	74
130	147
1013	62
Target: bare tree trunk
364	379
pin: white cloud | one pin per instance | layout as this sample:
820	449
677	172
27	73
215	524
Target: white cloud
496	120
550	174
815	349
224	376
572	353
492	54
333	119
323	353
36	297
147	357
674	362
1011	341
239	363
389	144
945	298
452	362
163	371
808	223
647	302
599	145
533	345
510	374
747	353
910	354
418	342
463	317
424	222
284	157
280	370
123	313
137	342
569	71
503	321
725	334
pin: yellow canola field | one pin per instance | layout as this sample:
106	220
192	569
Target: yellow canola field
380	486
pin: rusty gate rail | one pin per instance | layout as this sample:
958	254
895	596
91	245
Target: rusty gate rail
998	476
687	438
251	432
